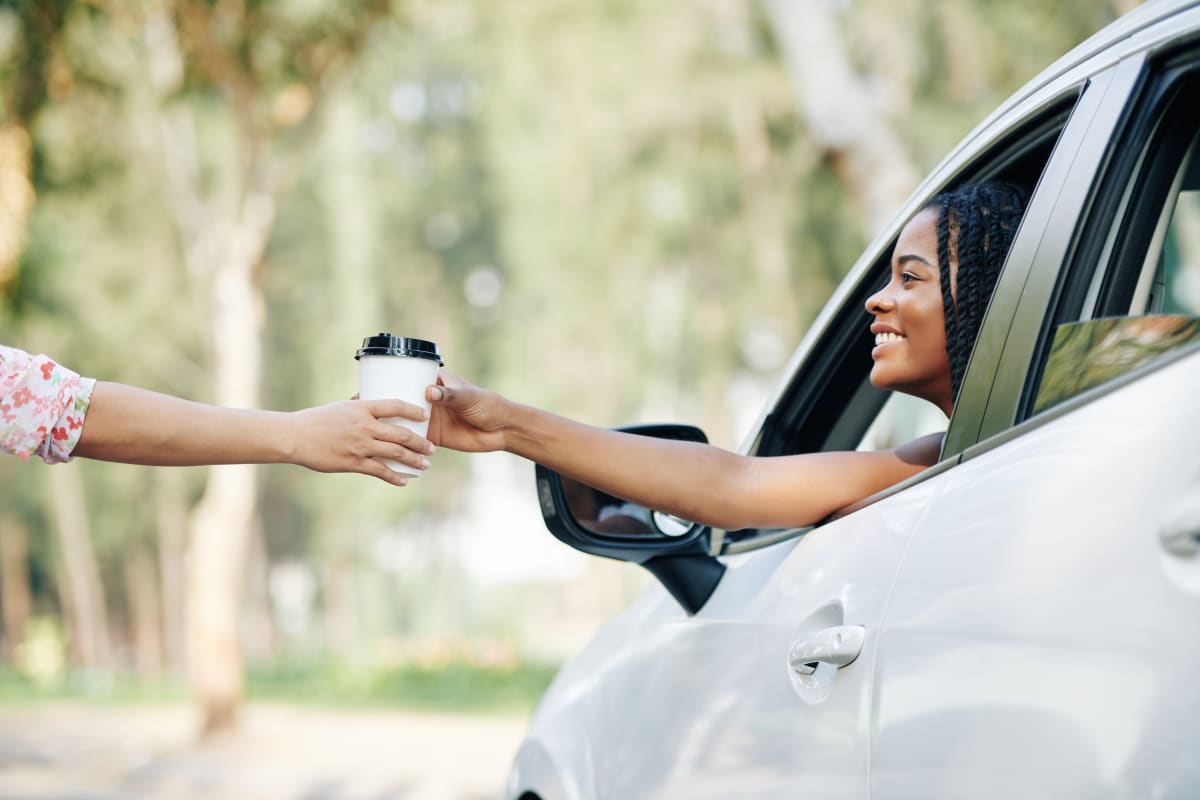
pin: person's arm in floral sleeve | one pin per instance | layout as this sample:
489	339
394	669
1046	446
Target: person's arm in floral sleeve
42	406
49	411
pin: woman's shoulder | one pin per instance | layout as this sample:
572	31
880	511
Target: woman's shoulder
924	451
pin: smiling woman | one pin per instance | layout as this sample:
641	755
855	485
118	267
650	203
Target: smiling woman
944	268
925	327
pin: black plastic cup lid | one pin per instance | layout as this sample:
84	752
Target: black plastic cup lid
384	344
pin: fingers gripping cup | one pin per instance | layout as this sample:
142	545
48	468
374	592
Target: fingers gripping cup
396	367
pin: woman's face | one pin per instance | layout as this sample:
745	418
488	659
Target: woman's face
909	325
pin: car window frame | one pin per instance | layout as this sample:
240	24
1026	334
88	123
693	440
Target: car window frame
1046	259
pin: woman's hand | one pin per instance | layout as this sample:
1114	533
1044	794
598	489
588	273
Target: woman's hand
351	436
465	417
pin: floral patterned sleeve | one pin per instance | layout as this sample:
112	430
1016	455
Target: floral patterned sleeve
42	406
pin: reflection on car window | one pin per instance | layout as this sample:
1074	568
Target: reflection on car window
1091	353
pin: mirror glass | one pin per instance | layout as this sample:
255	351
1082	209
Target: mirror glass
606	515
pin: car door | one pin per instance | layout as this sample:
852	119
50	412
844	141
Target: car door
708	706
1040	638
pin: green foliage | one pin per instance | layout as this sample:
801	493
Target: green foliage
17	689
454	686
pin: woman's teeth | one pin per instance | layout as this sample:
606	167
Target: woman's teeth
884	338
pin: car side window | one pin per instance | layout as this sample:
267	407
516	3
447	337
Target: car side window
1138	300
902	419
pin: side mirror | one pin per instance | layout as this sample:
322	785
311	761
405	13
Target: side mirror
674	550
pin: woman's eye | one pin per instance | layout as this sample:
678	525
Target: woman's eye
907	277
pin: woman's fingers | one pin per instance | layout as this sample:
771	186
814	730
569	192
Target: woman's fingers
395	434
405	456
389	409
377	469
447	384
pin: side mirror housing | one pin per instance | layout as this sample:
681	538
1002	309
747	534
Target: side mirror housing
674	550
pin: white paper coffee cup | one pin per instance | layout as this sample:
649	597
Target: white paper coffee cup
396	367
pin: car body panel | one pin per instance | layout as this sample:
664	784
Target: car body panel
1013	666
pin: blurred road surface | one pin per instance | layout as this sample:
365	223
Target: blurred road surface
280	752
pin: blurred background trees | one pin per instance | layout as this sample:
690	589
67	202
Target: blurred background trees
623	211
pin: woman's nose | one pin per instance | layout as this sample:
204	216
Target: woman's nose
880	302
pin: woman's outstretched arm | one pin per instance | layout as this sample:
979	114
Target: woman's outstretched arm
695	481
136	426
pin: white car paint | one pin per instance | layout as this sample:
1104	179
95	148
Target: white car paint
716	685
1041	641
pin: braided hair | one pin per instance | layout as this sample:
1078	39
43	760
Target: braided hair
978	222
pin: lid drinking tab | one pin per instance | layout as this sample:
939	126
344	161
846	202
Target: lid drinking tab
385	344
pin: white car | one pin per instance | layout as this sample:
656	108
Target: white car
1021	620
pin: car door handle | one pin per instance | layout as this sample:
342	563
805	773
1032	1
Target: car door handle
838	646
1180	530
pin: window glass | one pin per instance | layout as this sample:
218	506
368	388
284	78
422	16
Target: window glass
1181	255
902	419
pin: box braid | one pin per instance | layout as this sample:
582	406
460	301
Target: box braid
979	221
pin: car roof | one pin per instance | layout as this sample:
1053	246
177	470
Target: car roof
1120	29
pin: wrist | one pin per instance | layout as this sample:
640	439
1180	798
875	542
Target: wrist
512	430
284	441
525	430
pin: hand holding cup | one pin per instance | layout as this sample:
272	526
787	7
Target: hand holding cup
399	368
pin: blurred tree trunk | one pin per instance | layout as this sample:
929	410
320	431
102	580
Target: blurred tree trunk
223	234
227	256
340	608
15	597
223	219
355	313
841	112
63	588
81	574
223	247
145	610
259	626
215	564
172	520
